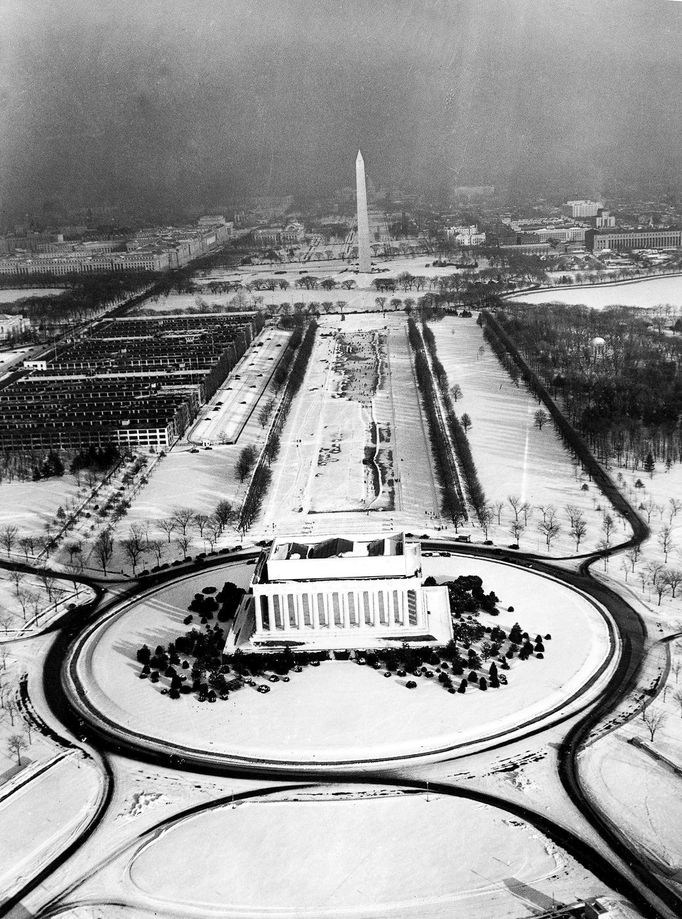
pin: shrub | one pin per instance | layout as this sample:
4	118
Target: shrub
483	683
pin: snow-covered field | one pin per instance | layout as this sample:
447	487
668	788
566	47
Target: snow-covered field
645	293
513	457
26	608
340	711
363	850
39	817
303	487
30	505
637	791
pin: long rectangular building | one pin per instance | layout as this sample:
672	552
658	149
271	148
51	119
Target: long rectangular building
616	240
341	593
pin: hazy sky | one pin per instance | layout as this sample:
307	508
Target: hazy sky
197	100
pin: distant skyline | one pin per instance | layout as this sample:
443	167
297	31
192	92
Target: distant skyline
167	102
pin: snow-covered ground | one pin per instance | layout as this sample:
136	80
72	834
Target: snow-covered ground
31	505
319	419
405	858
643	293
638	791
26	606
39	817
513	457
340	711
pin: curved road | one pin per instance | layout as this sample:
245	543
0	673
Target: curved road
632	632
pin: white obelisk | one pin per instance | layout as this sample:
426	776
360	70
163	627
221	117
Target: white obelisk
364	256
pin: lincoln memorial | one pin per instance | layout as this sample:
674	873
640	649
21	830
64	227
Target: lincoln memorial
340	593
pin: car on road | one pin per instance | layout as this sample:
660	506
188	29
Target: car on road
273	679
194	450
263	688
411	684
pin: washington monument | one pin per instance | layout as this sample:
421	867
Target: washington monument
364	257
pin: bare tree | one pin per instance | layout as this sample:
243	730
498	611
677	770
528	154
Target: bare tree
515	504
516	529
632	555
201	522
549	526
540	419
527	510
104	548
182	517
16	744
8	536
134	545
184	542
224	514
486	518
27	546
665	541
607	526
675	507
155	546
167	526
578	529
649	506
74	548
497	507
673	579
25	597
657	578
653	718
212	533
16	577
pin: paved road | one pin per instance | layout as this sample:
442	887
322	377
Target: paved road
650	895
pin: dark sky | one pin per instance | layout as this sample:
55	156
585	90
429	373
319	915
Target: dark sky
199	100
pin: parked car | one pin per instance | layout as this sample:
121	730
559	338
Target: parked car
273	678
502	678
263	688
411	684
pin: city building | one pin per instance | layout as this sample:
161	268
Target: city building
583	208
342	592
10	326
614	239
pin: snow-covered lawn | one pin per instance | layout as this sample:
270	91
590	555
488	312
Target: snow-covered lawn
38	819
512	456
356	851
303	488
645	293
340	711
30	505
27	608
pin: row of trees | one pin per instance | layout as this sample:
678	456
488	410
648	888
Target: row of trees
457	428
453	503
262	477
